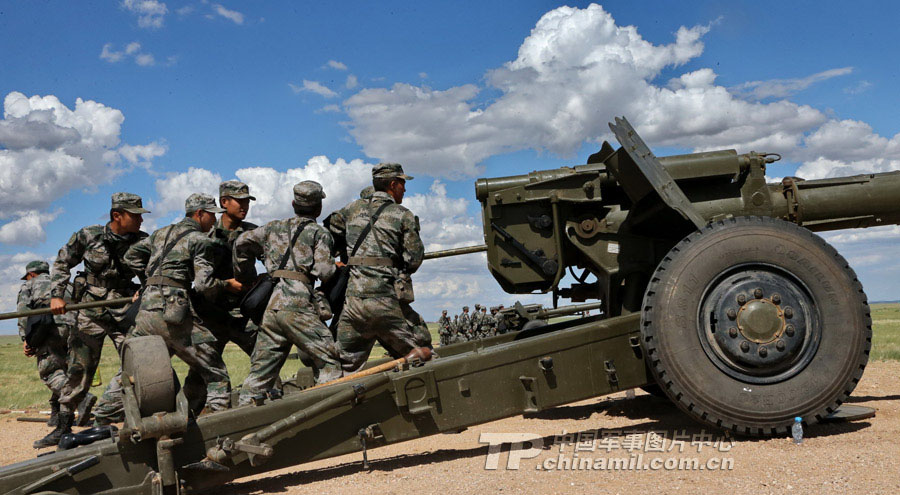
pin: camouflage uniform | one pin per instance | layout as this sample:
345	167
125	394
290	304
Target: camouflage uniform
51	354
222	316
464	323
291	317
487	324
475	322
444	328
104	281
166	308
392	249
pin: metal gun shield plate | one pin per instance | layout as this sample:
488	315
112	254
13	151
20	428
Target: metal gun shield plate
752	321
147	365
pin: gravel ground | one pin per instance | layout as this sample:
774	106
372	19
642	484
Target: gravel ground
857	457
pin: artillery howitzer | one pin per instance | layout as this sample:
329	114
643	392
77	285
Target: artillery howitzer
713	286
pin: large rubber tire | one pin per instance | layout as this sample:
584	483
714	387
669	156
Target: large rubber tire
147	364
707	374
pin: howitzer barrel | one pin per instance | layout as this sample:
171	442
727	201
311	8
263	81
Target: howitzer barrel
694	165
455	252
846	202
568	310
110	303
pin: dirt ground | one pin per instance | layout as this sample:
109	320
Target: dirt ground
857	457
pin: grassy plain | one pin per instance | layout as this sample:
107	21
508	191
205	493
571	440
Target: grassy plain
21	388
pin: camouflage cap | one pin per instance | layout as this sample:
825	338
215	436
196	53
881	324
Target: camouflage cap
36	266
235	189
465	308
200	201
389	171
477	306
128	202
444	312
367	192
308	193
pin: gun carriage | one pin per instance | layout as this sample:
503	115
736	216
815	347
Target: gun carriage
713	286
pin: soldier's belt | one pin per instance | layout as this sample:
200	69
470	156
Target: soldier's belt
370	261
96	281
292	275
170	282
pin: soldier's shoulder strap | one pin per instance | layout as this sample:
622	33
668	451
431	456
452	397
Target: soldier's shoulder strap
114	255
287	252
168	247
367	228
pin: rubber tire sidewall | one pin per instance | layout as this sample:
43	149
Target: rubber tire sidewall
680	364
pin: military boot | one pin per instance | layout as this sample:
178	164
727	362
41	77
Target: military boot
54	413
64	426
84	409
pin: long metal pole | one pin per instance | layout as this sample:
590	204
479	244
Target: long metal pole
109	303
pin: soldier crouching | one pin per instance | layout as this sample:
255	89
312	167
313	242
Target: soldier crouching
296	252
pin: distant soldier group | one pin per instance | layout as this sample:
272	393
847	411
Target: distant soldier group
193	275
464	327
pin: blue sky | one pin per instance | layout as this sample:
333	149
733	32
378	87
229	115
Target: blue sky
188	93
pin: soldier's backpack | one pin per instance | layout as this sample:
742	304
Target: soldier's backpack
254	303
38	328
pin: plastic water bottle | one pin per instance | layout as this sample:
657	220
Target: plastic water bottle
797	430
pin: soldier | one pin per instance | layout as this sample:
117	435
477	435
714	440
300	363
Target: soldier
444	328
495	320
222	317
168	262
291	317
51	349
487	323
464	322
101	249
386	250
475	322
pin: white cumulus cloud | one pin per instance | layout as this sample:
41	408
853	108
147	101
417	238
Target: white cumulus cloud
151	13
313	87
334	64
131	51
48	149
578	69
232	15
782	88
27	229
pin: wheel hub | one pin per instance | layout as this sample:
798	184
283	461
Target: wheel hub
757	323
760	321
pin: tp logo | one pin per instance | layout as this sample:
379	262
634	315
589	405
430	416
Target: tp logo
517	448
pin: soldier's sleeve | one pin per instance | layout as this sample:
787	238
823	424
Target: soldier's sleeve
323	259
203	252
69	255
22	303
137	257
413	249
248	247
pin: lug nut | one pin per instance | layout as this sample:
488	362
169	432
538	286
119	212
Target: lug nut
788	312
741	299
757	293
763	352
789	330
732	314
779	345
776	299
745	346
732	332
